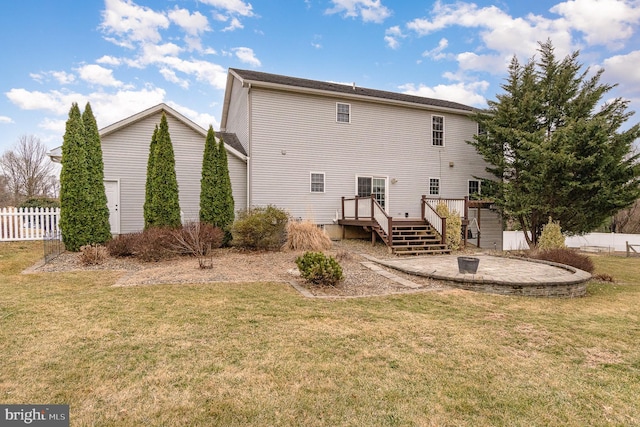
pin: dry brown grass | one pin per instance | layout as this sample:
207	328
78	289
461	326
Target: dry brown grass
258	354
306	236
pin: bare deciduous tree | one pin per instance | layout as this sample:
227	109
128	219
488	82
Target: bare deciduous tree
27	169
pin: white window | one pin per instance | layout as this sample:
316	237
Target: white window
437	130
434	186
474	187
343	113
317	182
481	130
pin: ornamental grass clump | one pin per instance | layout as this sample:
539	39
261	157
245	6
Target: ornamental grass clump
306	236
93	254
319	269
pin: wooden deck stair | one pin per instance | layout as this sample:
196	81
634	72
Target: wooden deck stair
414	238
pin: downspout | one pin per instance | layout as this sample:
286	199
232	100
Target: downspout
250	131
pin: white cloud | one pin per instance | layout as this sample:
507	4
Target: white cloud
392	36
57	126
63	77
192	23
130	23
109	60
235	24
171	76
464	93
98	75
603	22
368	10
624	70
246	54
202	119
5	119
236	7
436	52
120	104
498	30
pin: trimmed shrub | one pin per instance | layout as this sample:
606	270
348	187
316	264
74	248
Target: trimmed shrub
122	245
551	237
93	254
154	244
40	202
320	269
197	238
565	256
260	228
306	236
454	225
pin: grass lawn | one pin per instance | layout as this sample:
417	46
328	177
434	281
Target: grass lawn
260	354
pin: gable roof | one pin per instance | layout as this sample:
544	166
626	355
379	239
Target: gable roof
248	77
231	142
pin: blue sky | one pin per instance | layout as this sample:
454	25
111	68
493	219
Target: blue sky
127	55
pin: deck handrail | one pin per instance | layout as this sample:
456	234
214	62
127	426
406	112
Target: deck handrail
439	223
458	205
360	208
380	216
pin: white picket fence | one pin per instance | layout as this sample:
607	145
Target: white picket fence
18	224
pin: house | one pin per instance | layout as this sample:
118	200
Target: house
328	151
348	158
125	151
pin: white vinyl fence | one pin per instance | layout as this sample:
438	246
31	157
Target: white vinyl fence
597	242
28	223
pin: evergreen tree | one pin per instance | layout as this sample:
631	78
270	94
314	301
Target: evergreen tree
148	197
165	205
74	200
552	152
208	182
97	209
224	196
216	198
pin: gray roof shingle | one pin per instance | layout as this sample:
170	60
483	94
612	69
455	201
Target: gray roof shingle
257	76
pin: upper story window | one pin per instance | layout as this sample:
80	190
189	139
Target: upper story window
437	130
317	182
481	129
434	186
474	187
343	113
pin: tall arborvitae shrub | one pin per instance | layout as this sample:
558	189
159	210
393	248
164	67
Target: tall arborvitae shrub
97	209
208	182
74	201
216	198
224	196
165	206
148	196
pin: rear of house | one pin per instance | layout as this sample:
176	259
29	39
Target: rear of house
312	143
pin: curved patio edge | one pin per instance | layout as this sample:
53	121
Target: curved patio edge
497	274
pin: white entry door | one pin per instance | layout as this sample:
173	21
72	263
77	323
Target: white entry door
112	188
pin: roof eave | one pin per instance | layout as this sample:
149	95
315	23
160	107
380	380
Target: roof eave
343	95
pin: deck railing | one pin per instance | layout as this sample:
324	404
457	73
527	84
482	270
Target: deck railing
439	223
367	208
458	205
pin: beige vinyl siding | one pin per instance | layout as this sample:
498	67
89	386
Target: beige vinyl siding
238	113
382	140
125	155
